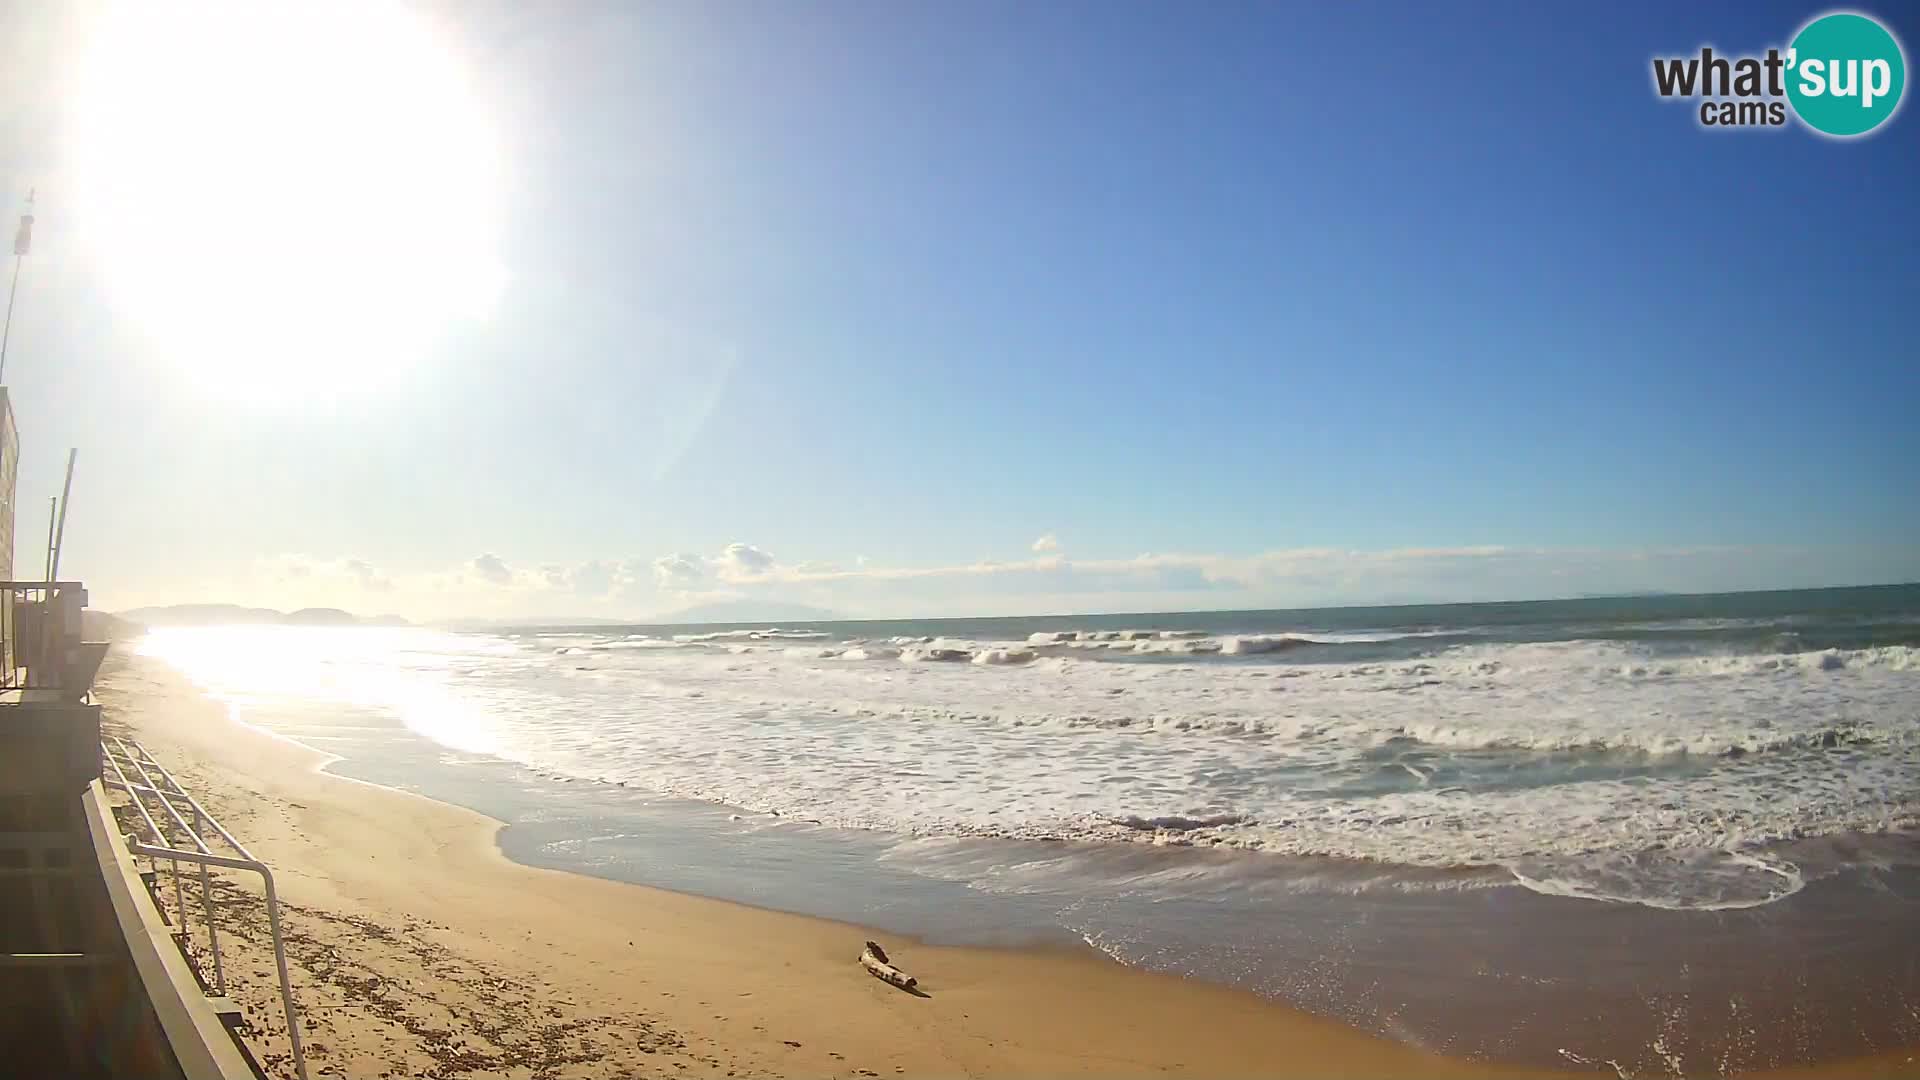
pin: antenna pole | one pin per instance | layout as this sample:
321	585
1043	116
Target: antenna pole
8	331
22	240
60	534
53	510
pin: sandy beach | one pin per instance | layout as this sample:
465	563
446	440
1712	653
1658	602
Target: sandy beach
419	950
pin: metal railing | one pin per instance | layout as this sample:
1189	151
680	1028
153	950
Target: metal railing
41	639
164	793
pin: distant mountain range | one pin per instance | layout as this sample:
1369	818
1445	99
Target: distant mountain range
101	626
735	611
727	611
763	612
234	615
474	623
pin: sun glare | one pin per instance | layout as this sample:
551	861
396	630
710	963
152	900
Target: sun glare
286	199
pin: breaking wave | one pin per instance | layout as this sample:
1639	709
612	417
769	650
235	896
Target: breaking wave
1660	775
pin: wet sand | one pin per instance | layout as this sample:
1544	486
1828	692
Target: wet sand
420	950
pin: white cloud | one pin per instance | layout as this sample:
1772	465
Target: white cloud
367	576
315	574
492	568
740	561
1050	573
1046	582
595	578
1292	577
1046	543
677	571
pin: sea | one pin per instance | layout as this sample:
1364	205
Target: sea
1654	835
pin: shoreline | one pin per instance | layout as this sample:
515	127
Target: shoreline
722	987
734	988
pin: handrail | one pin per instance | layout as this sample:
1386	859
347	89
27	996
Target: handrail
194	1027
41	648
193	802
273	924
192	831
179	899
204	858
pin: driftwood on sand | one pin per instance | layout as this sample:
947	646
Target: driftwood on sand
874	959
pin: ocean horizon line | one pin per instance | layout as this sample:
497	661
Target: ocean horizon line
604	622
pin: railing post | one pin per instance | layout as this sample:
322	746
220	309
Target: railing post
180	904
213	932
286	983
163	792
273	929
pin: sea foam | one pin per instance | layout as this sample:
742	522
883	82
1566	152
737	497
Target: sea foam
1570	763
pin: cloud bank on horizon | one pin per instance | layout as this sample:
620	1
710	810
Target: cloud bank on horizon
1045	581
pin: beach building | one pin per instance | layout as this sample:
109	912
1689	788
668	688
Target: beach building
96	978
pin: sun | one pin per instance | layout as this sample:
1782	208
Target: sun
285	199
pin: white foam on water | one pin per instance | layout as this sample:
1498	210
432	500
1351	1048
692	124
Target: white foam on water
633	643
1590	769
1307	637
1004	656
812	652
871	652
1247	644
772	633
1686	880
1619	1070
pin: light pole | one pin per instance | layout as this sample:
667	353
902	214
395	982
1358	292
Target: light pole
22	242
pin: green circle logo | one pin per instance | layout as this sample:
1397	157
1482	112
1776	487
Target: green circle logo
1845	74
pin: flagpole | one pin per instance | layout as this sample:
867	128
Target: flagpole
8	331
60	535
21	241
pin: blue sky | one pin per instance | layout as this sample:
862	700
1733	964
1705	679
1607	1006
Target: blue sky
1310	303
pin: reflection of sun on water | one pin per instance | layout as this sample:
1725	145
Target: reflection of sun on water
285	198
403	672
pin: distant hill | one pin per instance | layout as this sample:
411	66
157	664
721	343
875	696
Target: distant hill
235	615
764	612
531	620
104	626
743	611
321	616
201	615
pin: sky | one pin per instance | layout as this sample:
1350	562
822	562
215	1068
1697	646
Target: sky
898	309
